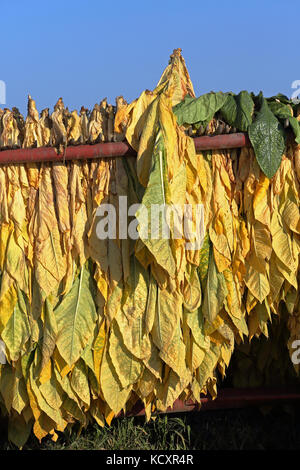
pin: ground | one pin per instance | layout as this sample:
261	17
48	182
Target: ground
252	428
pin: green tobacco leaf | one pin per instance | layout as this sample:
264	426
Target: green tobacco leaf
155	195
229	110
281	97
245	107
192	110
17	329
76	317
281	110
7	379
18	430
215	291
296	128
204	257
237	110
208	364
19	392
267	137
195	322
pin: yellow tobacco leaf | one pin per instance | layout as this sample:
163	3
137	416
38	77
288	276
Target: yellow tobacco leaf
208	365
52	393
175	355
171	390
171	136
50	262
215	291
79	382
130	317
291	216
61	364
15	263
54	435
257	283
33	401
49	330
114	395
128	368
96	412
78	212
137	116
5	232
289	275
233	298
167	315
191	289
53	414
154	362
176	78
45	374
146	145
109	415
3	198
221	261
260	202
8	300
146	384
20	397
98	349
281	243
260	247
277	278
43	426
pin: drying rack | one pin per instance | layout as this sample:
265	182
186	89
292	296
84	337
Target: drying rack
227	397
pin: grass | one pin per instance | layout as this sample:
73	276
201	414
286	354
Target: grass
252	428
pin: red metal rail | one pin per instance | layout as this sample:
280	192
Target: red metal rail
230	398
111	149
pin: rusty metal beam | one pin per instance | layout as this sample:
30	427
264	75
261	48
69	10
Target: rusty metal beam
111	149
230	398
224	141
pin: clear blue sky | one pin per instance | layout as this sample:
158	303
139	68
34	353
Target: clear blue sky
86	50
